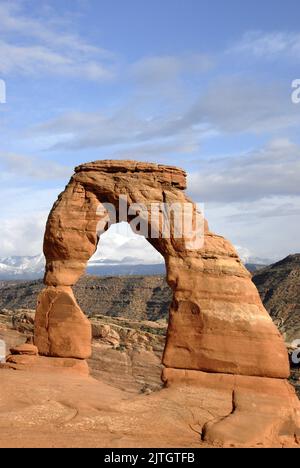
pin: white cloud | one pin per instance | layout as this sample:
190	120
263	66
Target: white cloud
227	106
22	235
267	237
12	20
253	199
120	245
235	104
269	45
158	151
33	167
33	60
267	208
23	215
150	71
243	252
271	171
80	130
47	48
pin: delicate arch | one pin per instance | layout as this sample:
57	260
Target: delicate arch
217	322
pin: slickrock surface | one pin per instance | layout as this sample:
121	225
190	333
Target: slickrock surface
40	409
127	356
126	353
31	363
260	407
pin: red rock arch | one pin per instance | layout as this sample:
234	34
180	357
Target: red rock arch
217	322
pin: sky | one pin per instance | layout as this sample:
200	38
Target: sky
204	85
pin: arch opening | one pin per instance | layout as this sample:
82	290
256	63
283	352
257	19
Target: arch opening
142	302
127	303
120	247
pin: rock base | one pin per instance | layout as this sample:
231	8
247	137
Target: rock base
61	328
260	411
217	322
45	364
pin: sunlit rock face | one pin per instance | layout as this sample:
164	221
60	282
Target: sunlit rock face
217	321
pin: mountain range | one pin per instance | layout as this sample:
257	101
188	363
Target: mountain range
146	297
32	267
22	267
279	289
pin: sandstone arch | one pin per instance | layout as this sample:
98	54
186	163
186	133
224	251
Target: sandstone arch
217	322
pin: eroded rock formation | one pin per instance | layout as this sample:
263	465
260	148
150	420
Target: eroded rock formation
217	323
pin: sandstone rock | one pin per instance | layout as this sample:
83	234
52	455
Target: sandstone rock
23	321
31	363
60	409
131	363
106	334
61	328
26	348
263	411
217	321
128	369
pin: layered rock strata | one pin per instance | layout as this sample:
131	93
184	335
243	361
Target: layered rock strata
217	323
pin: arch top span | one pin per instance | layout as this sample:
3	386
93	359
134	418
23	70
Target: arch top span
217	322
72	232
169	174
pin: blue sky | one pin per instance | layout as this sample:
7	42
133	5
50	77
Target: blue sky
205	85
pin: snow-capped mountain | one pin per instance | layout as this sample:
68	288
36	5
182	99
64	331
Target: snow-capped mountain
18	267
31	268
247	257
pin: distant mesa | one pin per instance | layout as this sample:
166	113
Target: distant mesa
279	288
